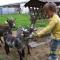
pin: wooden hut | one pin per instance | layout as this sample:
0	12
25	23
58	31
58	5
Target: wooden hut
35	6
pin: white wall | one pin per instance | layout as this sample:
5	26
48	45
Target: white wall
51	0
24	9
7	10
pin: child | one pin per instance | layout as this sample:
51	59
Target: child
53	27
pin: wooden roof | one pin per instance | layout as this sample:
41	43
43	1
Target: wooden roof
34	3
38	3
12	5
50	0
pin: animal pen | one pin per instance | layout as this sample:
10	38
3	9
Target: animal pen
37	50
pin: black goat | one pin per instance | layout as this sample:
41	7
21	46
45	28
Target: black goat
7	27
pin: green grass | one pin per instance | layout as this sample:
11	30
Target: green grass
41	23
22	20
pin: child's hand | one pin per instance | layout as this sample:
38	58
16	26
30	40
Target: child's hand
34	34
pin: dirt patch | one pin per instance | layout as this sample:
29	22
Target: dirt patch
38	53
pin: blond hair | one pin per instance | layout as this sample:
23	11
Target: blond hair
51	6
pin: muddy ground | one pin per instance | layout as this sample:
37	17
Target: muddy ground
38	53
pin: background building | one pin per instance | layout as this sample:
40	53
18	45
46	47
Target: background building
13	8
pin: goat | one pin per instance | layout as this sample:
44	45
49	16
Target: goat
7	27
19	42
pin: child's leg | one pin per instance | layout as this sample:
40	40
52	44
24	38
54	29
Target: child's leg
53	52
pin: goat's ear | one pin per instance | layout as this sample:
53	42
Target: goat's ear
6	22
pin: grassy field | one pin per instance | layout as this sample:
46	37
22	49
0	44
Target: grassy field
23	20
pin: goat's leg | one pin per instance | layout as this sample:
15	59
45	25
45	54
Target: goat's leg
1	40
23	52
20	55
7	48
28	49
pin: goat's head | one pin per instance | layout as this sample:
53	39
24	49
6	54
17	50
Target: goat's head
23	32
10	22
